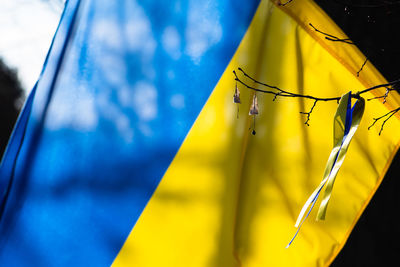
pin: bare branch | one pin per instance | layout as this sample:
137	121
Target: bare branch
395	82
285	93
331	37
346	41
384	4
362	66
281	92
387	116
283	4
382	96
278	94
308	114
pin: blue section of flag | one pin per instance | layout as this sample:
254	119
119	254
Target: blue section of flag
122	85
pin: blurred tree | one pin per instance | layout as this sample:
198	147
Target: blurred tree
11	99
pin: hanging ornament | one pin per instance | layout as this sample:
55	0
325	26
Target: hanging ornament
236	96
236	99
254	106
254	111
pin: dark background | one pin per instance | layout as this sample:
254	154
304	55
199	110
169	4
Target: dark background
373	26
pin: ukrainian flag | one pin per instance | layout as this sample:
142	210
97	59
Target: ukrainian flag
130	152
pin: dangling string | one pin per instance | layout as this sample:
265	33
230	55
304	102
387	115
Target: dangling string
254	125
346	122
254	111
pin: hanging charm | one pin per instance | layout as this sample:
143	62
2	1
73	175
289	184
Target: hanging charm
254	111
254	106
236	99
236	96
345	125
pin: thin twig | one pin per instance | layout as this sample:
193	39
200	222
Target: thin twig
346	41
382	96
362	66
284	4
276	96
388	115
395	82
308	114
385	3
331	37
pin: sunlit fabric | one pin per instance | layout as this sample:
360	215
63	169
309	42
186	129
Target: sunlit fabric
230	198
121	87
131	152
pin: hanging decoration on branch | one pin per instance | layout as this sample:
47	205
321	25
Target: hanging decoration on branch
236	99
254	111
236	96
254	106
346	122
346	119
279	92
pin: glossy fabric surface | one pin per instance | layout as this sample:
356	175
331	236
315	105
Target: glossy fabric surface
133	154
123	84
230	198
